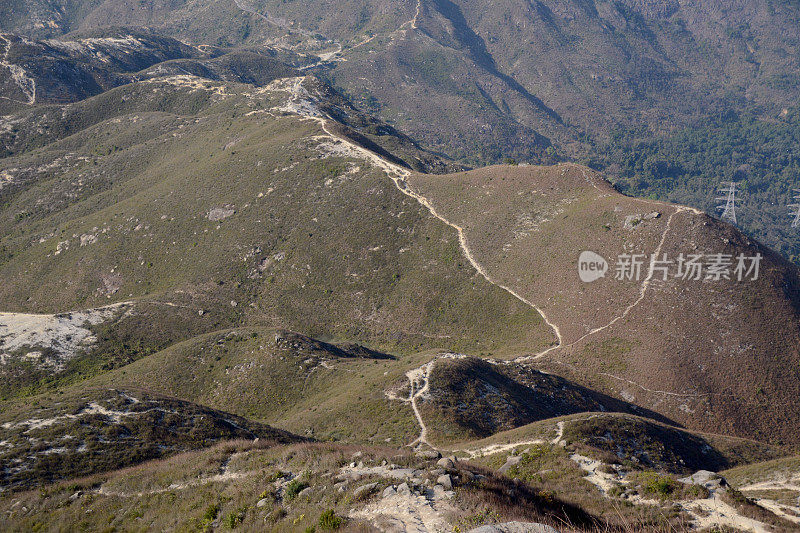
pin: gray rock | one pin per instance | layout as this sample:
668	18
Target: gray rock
341	486
364	490
699	477
515	527
709	480
403	488
512	460
446	463
389	491
428	454
219	213
305	493
263	502
438	472
445	481
76	496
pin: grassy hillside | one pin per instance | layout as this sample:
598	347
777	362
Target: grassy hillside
694	351
196	200
469	398
256	487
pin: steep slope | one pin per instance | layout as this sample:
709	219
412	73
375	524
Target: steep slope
702	352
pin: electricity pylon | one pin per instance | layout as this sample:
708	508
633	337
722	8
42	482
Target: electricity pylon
796	212
729	209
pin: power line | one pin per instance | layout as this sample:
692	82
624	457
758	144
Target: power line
796	212
728	189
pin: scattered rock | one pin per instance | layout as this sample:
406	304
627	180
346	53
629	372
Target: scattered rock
512	460
403	489
446	463
364	490
428	454
219	213
709	480
389	491
305	493
76	496
263	502
445	481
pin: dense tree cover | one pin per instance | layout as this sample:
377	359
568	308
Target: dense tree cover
761	155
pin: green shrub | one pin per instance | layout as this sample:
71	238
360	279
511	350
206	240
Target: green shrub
329	521
658	485
294	488
234	518
212	511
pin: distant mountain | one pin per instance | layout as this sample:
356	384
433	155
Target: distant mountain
539	81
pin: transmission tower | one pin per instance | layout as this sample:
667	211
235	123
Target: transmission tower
729	209
796	212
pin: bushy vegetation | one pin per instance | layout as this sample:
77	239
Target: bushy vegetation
687	166
295	487
328	520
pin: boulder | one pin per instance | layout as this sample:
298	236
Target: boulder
709	480
364	490
446	463
428	454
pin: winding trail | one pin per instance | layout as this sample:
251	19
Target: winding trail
224	475
645	284
302	104
414	22
501	448
420	378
